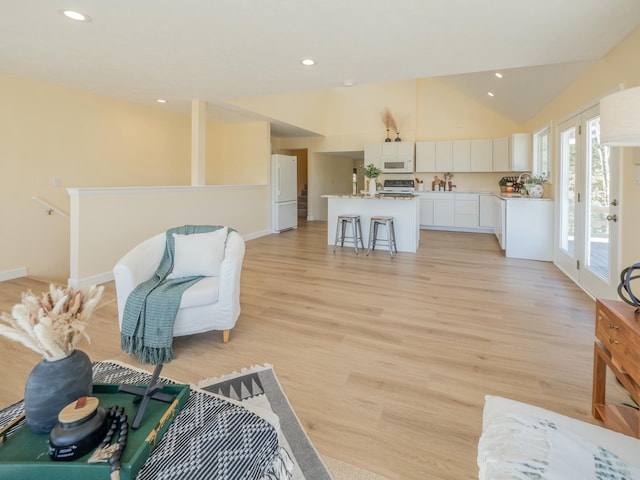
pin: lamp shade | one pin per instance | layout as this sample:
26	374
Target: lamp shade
620	118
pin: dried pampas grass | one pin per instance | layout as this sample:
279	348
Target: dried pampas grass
52	324
389	121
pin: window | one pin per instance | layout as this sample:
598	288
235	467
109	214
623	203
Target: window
542	151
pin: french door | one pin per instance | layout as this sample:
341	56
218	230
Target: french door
587	240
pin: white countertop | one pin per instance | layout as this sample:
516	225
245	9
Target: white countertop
517	196
503	196
369	197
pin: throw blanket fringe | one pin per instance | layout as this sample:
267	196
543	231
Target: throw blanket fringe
151	308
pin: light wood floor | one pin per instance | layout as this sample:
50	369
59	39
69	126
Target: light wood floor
386	361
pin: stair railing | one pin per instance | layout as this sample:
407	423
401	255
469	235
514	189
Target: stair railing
50	208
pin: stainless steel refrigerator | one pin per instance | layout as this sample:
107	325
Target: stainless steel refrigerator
284	193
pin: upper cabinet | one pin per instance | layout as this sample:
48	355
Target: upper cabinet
426	157
461	156
455	156
391	156
512	154
508	154
434	156
482	155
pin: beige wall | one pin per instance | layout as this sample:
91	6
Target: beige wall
619	66
237	153
107	223
86	141
444	114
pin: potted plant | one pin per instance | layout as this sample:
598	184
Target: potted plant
534	184
503	184
371	172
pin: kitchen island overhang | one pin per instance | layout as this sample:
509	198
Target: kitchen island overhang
405	210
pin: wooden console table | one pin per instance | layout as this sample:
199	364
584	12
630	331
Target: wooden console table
618	348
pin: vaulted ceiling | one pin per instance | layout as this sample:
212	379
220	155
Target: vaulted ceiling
221	50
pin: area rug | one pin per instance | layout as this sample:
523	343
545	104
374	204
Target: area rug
258	387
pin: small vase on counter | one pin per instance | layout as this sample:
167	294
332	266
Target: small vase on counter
535	190
372	186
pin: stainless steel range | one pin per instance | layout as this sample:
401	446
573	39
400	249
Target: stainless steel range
398	188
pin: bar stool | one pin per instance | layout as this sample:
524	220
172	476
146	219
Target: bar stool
373	234
356	229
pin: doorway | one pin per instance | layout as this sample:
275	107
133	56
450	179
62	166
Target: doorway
303	188
587	243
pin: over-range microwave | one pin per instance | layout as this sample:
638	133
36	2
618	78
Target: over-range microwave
397	165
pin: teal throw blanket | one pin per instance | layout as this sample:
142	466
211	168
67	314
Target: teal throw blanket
150	311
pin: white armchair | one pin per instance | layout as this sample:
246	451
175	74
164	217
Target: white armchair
213	303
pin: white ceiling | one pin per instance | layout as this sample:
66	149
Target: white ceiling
220	50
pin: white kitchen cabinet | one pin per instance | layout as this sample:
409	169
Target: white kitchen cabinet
443	209
426	211
499	209
481	155
501	154
391	152
444	156
512	154
373	154
521	152
461	151
466	210
524	227
486	203
426	157
395	150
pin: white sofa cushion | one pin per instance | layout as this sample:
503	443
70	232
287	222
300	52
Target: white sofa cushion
198	254
520	441
203	292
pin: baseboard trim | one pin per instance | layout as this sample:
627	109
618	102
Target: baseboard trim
262	233
11	274
92	280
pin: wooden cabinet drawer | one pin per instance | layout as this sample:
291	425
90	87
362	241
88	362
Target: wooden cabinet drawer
620	338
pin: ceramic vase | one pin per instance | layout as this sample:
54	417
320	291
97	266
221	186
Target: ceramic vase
535	190
372	186
52	385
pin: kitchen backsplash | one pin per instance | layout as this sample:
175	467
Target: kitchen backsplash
486	182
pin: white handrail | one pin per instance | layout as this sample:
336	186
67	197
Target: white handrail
50	208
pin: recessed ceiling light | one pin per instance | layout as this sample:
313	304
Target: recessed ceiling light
73	15
308	62
161	100
490	94
498	74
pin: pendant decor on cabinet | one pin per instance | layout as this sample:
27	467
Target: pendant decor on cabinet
390	124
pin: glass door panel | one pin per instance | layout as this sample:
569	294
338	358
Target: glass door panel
568	187
587	242
597	228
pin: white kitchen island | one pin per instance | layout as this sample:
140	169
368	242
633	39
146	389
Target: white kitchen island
405	211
